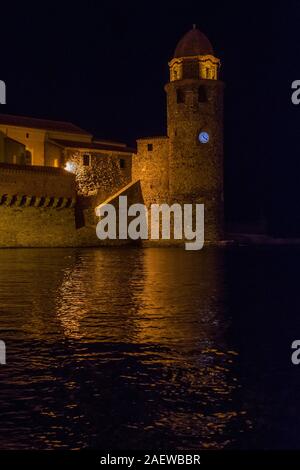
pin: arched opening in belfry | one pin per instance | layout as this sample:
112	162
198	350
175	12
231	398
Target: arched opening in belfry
202	95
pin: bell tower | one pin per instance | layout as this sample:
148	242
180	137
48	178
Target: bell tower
195	129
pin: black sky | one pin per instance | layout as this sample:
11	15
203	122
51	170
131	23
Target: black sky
103	67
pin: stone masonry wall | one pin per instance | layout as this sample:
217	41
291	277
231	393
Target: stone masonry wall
105	176
196	169
150	166
36	181
43	227
37	208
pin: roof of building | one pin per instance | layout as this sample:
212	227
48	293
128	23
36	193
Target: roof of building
94	146
44	124
194	42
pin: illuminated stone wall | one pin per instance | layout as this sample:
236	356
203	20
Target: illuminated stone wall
33	226
36	181
150	166
38	208
179	168
44	227
195	168
186	166
106	174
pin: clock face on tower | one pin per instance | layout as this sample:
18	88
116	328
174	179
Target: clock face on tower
203	137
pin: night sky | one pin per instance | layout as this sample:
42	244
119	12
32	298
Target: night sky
104	68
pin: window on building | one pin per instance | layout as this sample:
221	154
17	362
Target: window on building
180	96
122	163
150	147
27	135
190	69
207	72
86	159
202	96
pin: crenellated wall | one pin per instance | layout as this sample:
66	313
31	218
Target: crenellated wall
38	208
39	181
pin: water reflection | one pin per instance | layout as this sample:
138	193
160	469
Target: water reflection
120	348
147	299
97	298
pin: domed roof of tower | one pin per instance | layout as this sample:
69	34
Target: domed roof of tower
194	42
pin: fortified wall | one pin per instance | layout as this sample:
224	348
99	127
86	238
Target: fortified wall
38	207
48	206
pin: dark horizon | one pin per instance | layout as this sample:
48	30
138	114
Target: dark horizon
104	69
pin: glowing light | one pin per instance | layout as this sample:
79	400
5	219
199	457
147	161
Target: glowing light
71	167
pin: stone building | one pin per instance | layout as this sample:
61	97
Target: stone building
54	175
186	165
58	144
